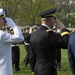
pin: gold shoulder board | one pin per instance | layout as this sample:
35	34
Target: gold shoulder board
48	30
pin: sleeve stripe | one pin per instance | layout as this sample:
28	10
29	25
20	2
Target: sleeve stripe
64	33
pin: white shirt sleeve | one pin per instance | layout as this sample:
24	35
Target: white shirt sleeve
15	38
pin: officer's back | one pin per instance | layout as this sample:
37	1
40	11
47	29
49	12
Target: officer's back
41	45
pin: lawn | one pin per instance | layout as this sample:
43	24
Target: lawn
26	70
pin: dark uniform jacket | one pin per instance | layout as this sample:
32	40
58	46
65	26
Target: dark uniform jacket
43	51
65	33
26	37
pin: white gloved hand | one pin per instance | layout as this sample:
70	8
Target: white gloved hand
10	22
58	31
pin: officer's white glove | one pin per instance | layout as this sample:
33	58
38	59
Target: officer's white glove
10	22
58	31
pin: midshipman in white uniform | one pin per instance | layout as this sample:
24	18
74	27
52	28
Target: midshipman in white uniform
6	39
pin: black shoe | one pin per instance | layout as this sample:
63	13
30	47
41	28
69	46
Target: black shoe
17	69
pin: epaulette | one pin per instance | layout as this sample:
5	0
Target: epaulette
48	30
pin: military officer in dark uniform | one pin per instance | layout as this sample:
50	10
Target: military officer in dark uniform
58	49
71	52
43	44
26	43
34	28
15	54
65	33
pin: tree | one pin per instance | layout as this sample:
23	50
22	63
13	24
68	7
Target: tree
26	11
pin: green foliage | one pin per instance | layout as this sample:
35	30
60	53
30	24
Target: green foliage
67	21
26	11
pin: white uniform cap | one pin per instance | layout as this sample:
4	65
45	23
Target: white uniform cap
1	12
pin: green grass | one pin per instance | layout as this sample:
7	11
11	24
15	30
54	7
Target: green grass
65	64
26	70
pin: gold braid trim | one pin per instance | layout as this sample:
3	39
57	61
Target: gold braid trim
49	30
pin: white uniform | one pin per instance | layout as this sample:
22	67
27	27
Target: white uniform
6	39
